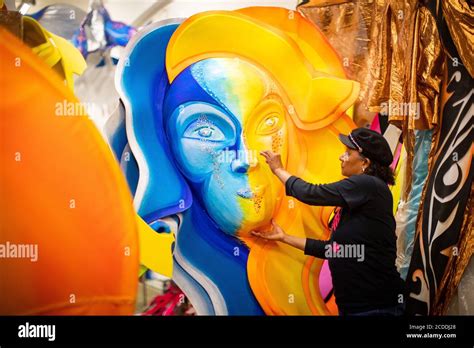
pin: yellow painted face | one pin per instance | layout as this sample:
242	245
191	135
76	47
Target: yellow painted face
265	128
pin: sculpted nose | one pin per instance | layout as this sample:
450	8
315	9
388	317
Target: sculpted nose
240	165
245	159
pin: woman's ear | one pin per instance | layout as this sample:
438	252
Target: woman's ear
367	163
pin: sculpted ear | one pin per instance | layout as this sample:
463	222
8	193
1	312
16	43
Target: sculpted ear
328	99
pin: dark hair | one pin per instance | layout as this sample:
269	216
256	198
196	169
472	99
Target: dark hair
382	172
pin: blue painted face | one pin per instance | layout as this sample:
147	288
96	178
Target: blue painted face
220	114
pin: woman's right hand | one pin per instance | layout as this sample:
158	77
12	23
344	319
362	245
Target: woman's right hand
273	160
276	166
276	234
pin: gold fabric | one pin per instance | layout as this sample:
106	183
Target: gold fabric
423	88
393	49
459	16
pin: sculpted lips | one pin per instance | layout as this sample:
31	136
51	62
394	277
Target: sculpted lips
245	193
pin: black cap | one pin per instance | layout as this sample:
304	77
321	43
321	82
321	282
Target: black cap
370	144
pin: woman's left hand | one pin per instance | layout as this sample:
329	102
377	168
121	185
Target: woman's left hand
276	234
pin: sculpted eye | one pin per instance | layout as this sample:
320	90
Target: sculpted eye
270	122
269	125
206	132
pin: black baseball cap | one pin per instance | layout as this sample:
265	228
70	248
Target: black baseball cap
370	144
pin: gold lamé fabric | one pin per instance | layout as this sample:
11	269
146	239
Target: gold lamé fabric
459	15
393	49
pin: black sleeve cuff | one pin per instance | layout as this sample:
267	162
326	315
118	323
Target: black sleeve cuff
289	184
315	247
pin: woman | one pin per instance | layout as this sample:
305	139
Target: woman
362	248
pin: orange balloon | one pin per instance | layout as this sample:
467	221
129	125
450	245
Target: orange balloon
68	232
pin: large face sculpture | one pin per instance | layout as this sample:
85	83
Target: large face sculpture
225	113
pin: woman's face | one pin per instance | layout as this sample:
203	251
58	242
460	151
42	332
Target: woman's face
352	162
217	141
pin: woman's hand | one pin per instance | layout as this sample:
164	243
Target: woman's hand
273	160
277	234
275	164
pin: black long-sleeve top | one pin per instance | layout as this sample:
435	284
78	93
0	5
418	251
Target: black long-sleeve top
362	249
